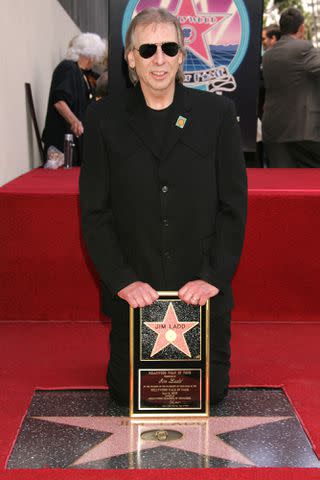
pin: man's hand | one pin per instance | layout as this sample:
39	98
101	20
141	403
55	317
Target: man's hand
197	292
138	294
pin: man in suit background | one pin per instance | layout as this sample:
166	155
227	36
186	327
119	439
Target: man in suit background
270	35
163	195
291	118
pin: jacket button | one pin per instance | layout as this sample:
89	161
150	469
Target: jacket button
167	255
164	189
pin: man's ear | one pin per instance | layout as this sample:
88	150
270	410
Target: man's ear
301	31
131	60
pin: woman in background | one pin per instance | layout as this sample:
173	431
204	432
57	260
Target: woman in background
72	89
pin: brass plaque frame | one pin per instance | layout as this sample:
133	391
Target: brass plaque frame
171	379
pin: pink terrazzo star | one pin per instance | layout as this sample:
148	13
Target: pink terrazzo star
196	25
171	332
199	437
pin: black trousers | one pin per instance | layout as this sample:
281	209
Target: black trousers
118	370
303	154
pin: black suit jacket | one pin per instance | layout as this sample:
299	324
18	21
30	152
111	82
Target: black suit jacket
163	218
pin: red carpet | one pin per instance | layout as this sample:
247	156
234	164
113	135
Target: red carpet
53	355
282	355
45	275
205	474
43	266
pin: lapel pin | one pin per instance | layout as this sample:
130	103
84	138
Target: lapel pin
181	121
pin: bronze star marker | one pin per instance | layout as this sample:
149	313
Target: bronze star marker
171	332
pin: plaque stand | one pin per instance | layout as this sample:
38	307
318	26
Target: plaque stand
169	359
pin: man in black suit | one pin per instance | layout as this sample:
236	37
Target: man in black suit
291	118
163	195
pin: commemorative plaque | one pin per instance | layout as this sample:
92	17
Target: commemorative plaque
169	359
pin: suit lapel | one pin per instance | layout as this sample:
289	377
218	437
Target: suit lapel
180	108
138	120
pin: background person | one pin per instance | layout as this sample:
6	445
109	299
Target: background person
270	35
163	195
72	89
291	117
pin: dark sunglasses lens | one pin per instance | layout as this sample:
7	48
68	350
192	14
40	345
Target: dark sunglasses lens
147	50
170	48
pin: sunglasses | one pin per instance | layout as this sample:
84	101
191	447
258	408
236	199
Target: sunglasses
147	50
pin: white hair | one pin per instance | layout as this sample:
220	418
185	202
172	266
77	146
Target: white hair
88	45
